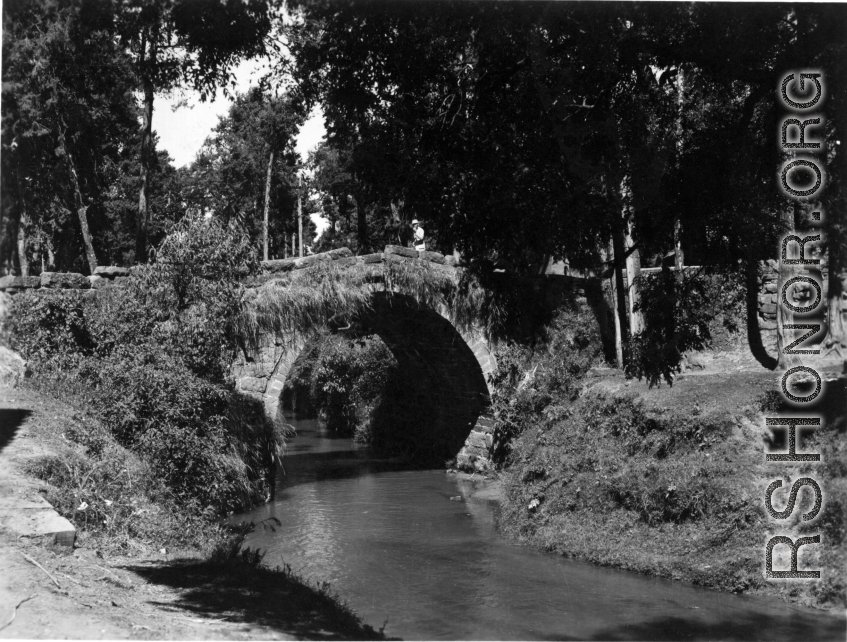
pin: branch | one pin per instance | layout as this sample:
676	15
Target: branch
29	559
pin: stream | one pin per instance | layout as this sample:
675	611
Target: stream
419	549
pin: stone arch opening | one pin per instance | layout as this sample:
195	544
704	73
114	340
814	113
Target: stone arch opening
448	369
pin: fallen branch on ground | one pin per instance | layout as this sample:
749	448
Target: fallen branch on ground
29	559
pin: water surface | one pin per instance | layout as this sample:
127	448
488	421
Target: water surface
415	548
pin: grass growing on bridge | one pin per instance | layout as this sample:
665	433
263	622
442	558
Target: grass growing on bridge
329	294
333	294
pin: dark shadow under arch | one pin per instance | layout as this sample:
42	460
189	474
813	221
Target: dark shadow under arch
444	371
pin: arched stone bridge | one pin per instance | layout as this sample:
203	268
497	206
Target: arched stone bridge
451	364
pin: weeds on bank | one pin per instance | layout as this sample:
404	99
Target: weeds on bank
663	487
148	361
117	501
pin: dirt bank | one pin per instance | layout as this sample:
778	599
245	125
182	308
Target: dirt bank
153	595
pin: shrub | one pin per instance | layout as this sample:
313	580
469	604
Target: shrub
149	360
683	311
114	496
529	383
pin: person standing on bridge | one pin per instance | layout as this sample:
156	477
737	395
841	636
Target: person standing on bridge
420	245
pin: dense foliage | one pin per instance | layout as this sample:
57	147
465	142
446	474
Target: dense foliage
149	359
544	381
341	380
521	131
683	312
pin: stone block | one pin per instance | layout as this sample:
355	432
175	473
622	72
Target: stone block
71	280
111	271
32	516
432	257
278	265
399	250
451	261
477	451
19	282
340	253
252	384
477	440
770	286
377	257
310	261
767	324
484	423
399	258
767	308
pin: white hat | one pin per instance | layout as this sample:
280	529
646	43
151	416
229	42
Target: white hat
414	221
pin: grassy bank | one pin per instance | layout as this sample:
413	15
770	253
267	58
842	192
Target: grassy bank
670	481
146	364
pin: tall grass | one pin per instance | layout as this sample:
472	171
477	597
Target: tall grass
300	301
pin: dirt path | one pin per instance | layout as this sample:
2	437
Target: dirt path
159	596
95	600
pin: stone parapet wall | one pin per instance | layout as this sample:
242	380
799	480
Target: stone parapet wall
103	276
344	258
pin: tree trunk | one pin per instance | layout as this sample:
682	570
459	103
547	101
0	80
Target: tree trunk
679	258
836	308
616	306
81	208
623	317
633	273
23	222
267	206
784	316
300	214
361	224
754	336
143	216
633	258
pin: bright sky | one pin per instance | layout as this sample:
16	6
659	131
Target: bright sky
183	130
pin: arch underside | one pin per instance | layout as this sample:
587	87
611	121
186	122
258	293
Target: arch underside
449	369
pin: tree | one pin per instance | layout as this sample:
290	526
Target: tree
249	166
114	221
184	42
513	127
62	119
